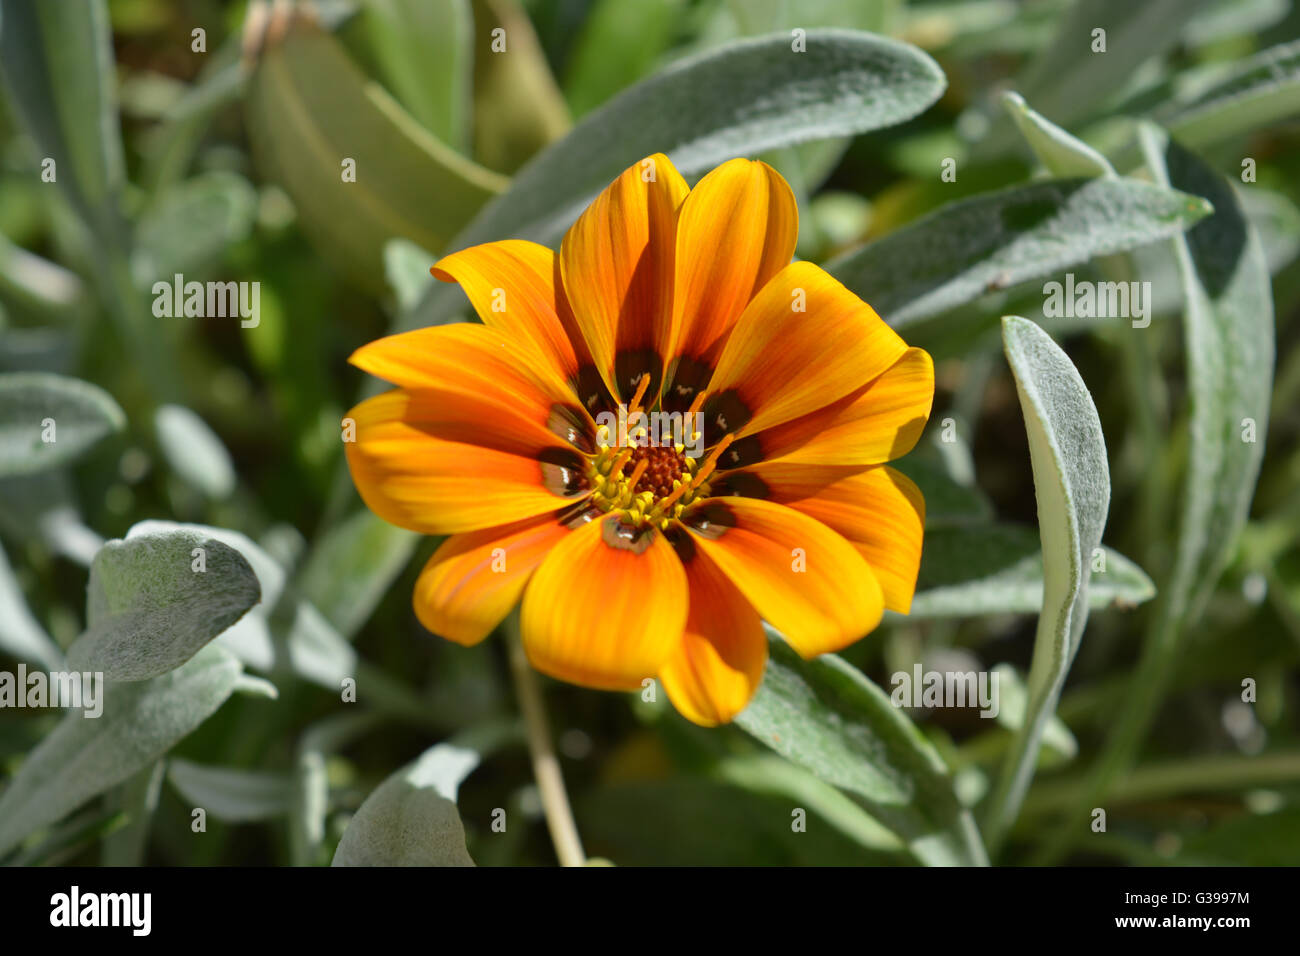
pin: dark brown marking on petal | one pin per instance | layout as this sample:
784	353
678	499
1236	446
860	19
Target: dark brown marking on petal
563	471
618	535
681	541
630	365
689	376
724	413
742	453
591	391
745	484
710	519
571	424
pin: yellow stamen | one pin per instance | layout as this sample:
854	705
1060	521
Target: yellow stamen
637	472
635	405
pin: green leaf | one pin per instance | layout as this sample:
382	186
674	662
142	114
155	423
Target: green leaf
406	267
1072	485
283	631
309	108
311	789
618	44
167	241
1255	93
194	451
771	775
979	569
83	757
352	566
136	800
156	599
56	63
826	716
41	507
1230	354
946	501
50	420
996	240
1059	745
20	634
762	96
411	819
1059	152
1068	81
518	108
423	53
231	794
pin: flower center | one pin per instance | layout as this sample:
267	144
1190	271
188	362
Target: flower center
646	483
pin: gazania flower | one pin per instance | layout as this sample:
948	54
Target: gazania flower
637	559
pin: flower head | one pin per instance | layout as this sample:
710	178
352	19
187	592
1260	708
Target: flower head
658	437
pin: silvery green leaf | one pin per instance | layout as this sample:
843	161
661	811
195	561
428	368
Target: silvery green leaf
1225	19
424	54
283	632
1060	153
136	800
1071	77
50	420
351	567
407	266
827	717
411	819
194	451
230	793
1072	484
1254	93
761	96
167	241
56	63
313	115
947	502
311	791
1277	221
41	507
769	774
1230	354
82	757
996	240
21	636
1013	701
978	569
156	599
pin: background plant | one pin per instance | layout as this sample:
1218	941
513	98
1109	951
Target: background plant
925	184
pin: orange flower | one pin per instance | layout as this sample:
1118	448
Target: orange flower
636	560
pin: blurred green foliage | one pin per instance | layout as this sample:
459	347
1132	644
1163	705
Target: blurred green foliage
224	163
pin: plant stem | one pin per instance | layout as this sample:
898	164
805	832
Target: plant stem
546	766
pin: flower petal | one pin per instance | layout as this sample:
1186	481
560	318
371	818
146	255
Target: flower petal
473	580
515	289
879	422
879	510
415	466
617	264
736	230
606	607
802	577
802	343
480	363
715	670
